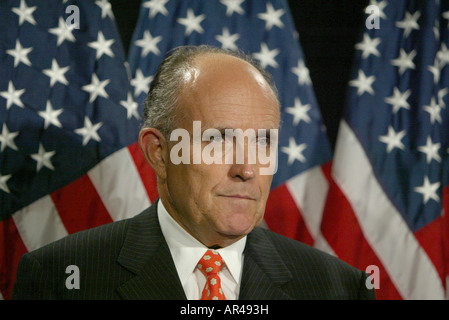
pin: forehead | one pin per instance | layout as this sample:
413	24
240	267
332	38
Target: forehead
225	91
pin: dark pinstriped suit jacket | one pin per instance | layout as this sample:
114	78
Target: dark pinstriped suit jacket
130	259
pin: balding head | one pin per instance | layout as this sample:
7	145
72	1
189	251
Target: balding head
176	70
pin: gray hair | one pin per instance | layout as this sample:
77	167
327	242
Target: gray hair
160	104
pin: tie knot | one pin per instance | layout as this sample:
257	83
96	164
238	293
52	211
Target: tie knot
210	263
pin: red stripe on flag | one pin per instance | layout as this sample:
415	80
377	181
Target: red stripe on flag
434	238
11	250
445	225
283	216
146	172
431	239
79	206
342	231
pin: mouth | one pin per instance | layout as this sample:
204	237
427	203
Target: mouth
238	197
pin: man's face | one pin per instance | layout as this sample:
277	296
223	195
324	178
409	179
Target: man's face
220	203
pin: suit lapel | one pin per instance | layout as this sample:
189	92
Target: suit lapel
264	271
146	254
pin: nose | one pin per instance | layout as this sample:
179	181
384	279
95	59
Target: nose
243	171
243	165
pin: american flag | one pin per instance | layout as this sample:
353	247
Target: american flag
67	115
389	193
71	113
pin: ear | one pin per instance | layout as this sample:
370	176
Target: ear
154	147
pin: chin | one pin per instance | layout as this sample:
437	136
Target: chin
239	224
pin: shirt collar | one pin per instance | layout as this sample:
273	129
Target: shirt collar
187	251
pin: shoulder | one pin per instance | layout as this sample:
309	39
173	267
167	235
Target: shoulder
316	274
306	256
92	254
294	250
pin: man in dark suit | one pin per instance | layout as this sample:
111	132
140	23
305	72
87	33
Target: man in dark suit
209	206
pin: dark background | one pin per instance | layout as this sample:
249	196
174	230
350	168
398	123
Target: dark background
328	31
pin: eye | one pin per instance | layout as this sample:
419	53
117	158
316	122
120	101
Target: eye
263	141
215	138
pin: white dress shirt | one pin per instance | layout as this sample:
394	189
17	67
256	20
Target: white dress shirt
187	251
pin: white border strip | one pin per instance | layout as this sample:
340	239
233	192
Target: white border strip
405	260
39	224
119	185
309	191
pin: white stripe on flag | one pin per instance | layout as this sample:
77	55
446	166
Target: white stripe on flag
405	260
39	224
119	185
309	191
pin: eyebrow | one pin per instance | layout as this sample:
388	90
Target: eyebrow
223	129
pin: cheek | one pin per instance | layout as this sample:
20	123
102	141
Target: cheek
179	187
205	181
192	184
265	185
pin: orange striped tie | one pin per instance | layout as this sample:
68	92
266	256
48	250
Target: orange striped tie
210	265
